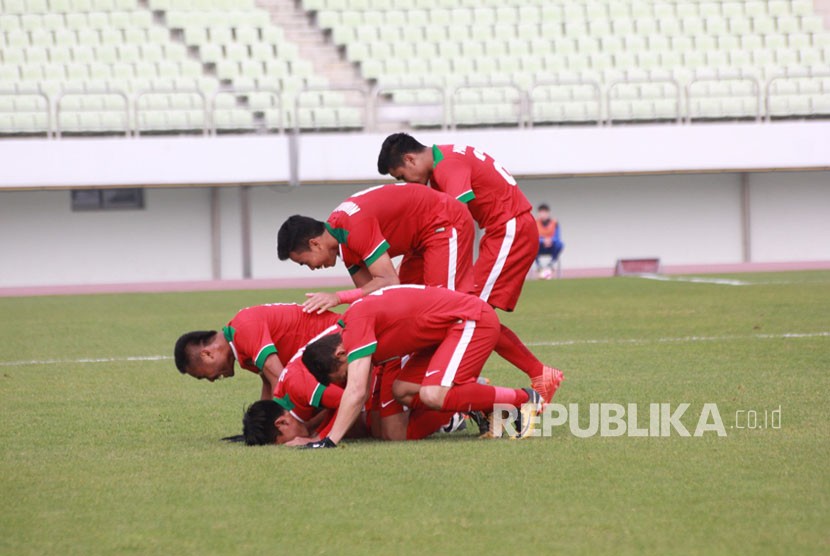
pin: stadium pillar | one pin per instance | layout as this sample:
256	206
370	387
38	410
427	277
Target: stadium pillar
215	235
746	220
245	224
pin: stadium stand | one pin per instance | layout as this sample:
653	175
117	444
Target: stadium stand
172	66
588	61
168	66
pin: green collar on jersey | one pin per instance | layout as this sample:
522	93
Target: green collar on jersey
339	233
229	332
341	323
285	402
437	156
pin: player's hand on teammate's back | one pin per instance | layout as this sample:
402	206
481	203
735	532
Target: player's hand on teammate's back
325	443
320	301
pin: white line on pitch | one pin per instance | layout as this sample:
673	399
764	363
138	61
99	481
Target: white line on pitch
693	280
84	360
682	339
622	341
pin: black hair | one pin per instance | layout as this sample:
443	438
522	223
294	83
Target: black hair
319	358
258	422
543	206
181	351
393	149
294	235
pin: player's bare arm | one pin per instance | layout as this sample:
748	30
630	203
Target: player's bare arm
270	376
302	440
380	273
354	397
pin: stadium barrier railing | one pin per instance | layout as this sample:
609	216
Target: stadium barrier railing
407	110
612	86
768	93
207	113
724	78
47	109
448	100
594	84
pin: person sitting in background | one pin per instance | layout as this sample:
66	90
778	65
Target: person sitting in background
550	242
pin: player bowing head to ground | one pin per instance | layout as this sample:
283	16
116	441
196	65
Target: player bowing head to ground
262	339
458	329
268	422
433	232
303	397
509	246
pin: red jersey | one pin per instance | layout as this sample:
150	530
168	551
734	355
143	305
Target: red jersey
394	219
398	320
281	328
473	177
299	392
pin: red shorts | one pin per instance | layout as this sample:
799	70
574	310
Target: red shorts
445	259
505	255
460	356
382	400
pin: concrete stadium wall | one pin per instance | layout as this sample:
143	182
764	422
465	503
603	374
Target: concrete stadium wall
683	219
45	243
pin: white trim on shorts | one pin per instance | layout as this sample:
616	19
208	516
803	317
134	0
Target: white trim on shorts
453	260
458	353
504	251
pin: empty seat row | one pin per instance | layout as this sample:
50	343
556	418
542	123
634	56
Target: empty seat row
69	37
198	34
77	20
237	18
108	54
63	6
487	9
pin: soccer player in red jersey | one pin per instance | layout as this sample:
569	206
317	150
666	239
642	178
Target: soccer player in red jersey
303	397
510	242
262	339
458	329
303	408
434	233
267	422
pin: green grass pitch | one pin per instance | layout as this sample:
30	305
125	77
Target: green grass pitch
124	457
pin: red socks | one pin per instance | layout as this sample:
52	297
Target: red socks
480	397
516	353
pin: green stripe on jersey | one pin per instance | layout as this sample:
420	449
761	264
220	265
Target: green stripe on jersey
382	248
361	352
263	355
285	402
339	234
354	269
467	197
437	156
229	332
317	396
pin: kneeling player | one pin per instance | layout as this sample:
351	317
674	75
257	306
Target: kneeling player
460	330
329	358
306	407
